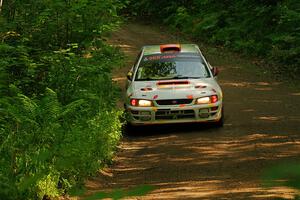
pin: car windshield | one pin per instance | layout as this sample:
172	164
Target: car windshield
171	66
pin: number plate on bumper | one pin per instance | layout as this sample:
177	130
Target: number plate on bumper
174	114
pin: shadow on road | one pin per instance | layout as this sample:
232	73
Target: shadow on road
160	130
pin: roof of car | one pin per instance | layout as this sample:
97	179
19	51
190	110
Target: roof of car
155	49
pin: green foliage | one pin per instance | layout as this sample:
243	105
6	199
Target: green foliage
63	142
47	186
50	24
283	175
58	122
270	29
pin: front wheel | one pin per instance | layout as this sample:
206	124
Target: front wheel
220	122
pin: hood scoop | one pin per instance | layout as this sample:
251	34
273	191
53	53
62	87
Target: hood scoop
172	83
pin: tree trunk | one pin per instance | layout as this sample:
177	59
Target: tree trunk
1	2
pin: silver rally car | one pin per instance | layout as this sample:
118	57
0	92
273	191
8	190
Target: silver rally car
173	83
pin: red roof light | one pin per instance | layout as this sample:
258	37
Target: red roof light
170	47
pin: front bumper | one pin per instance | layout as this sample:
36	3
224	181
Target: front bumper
174	114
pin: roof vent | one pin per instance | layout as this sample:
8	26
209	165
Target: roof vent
170	48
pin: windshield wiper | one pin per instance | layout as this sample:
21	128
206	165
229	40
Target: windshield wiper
186	77
175	77
145	79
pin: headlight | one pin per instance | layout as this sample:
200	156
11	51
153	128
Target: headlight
140	102
206	100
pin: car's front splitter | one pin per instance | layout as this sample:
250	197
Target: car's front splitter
171	115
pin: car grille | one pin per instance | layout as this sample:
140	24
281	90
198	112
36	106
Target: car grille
174	114
174	101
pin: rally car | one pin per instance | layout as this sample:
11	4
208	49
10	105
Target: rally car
173	83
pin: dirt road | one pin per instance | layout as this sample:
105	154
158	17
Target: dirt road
262	128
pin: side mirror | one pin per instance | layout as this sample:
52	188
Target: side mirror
129	75
215	71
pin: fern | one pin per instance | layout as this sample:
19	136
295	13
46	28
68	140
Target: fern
50	108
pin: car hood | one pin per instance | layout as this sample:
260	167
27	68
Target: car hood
174	89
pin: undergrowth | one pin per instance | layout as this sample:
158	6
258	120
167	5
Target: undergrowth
58	121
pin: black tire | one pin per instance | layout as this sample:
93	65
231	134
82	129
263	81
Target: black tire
127	128
130	130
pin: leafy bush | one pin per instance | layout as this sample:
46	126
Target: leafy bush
58	122
55	24
58	137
